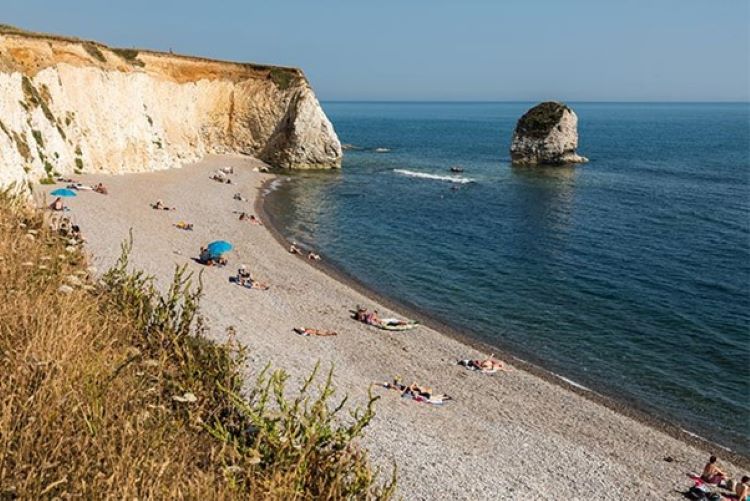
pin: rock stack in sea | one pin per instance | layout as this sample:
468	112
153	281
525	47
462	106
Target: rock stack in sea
547	134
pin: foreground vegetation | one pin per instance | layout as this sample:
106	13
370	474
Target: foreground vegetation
110	389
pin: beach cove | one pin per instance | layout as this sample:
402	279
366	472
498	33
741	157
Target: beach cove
507	435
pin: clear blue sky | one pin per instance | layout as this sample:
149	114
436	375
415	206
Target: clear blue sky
691	50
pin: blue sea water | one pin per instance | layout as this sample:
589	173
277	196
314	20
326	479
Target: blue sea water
629	275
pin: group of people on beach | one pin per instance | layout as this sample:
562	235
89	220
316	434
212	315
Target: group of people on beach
72	184
159	205
311	256
417	392
713	475
362	314
246	279
207	258
221	175
66	228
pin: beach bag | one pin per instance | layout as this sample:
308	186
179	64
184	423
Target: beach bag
701	492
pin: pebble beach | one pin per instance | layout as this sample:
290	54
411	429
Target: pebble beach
509	435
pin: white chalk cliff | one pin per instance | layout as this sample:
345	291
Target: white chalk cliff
70	106
547	134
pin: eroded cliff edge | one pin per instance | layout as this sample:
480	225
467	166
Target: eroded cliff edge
69	105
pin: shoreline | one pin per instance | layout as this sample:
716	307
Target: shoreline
627	407
520	434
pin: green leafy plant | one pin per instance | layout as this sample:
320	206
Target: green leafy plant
283	78
110	388
94	52
129	55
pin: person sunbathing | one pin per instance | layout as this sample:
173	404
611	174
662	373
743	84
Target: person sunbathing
159	205
238	196
220	177
243	276
306	331
79	187
250	218
372	318
313	257
293	249
712	474
488	365
57	205
259	285
417	392
100	188
359	315
182	225
395	385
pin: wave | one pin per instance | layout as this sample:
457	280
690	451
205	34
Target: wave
273	186
436	177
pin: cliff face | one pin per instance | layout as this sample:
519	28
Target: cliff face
547	134
71	106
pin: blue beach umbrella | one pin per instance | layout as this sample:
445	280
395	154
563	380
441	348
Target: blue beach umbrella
63	192
219	247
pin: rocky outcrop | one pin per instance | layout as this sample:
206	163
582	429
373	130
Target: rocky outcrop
547	134
70	106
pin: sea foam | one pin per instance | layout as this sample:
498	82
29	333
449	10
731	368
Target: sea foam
436	177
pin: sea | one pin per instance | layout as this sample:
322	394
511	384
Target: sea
628	276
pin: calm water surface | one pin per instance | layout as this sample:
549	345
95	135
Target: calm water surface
630	274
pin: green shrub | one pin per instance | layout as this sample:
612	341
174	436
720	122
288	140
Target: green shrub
32	97
282	77
94	52
38	137
22	146
113	390
129	55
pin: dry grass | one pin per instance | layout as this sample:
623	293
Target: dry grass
110	390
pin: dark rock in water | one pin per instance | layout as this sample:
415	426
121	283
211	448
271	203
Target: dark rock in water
546	135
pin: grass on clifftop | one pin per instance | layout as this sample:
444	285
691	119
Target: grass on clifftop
111	390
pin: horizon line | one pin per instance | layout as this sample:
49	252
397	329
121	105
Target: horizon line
524	101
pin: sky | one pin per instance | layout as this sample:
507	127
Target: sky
461	50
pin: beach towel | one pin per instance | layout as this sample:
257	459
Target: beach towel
393	324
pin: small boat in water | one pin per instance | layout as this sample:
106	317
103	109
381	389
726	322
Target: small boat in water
457	169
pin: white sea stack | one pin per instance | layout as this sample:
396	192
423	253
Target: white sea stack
547	134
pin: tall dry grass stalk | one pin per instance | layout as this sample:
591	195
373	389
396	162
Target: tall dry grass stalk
110	390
